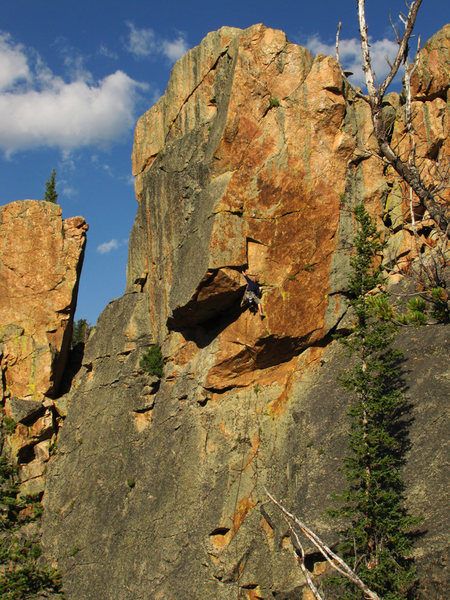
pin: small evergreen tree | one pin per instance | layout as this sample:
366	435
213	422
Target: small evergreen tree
376	541
21	575
51	194
81	330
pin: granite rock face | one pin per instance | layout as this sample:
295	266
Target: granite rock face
234	182
430	85
253	159
40	262
432	76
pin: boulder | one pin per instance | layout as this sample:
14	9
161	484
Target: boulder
23	410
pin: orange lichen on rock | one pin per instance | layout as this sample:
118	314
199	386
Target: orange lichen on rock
220	538
253	593
244	506
142	420
40	258
432	75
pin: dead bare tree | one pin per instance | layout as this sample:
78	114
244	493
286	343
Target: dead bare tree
336	562
429	272
427	193
422	185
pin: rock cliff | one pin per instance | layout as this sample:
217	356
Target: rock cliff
40	262
253	159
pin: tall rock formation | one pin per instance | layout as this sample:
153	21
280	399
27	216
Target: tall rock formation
253	159
40	262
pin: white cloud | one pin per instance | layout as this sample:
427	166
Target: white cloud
113	244
108	246
39	108
175	50
145	42
350	55
13	62
106	52
141	42
68	191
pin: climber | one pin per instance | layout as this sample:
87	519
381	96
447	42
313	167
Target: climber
252	293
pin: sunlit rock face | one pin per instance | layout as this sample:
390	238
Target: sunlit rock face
40	263
432	75
253	159
242	164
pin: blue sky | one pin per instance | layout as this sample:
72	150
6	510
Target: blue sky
76	75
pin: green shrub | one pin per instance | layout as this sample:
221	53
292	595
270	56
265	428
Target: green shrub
417	311
274	102
434	304
381	308
53	448
8	425
441	311
152	361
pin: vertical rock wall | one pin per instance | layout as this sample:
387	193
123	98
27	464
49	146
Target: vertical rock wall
40	263
252	159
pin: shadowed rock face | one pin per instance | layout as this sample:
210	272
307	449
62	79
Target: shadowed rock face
252	159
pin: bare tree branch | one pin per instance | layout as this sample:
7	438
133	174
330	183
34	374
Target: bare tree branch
409	70
298	548
337	42
333	559
403	47
397	37
408	171
367	63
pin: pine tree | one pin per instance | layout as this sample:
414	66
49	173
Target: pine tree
51	194
376	541
21	574
81	330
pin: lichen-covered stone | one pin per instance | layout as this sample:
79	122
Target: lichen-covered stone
254	158
432	76
40	263
23	410
243	184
